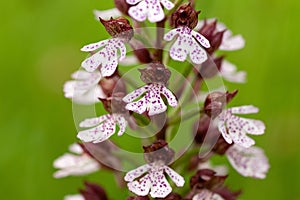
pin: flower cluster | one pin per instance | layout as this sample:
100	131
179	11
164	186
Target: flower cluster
219	130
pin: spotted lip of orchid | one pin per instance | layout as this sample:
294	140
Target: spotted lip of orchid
207	195
152	101
103	127
249	162
152	180
188	42
76	165
151	9
84	89
234	128
107	58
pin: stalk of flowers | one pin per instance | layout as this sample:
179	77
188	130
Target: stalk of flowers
218	129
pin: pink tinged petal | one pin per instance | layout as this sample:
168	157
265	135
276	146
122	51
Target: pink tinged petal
99	133
75	148
121	121
176	178
140	187
232	43
201	39
139	106
94	121
135	173
107	14
248	109
254	127
172	101
223	130
74	197
94	46
92	63
167	4
139	12
160	188
155	13
109	63
171	34
249	162
230	73
135	94
207	195
197	54
133	2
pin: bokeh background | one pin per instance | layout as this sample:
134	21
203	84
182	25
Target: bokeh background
40	42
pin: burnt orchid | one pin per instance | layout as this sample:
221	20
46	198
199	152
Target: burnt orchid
181	124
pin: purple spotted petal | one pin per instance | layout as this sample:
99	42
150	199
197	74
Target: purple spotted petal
121	121
139	12
167	4
133	174
155	13
249	162
207	195
176	178
140	187
171	34
254	127
94	46
229	72
201	39
180	49
139	106
156	105
93	121
160	187
99	133
222	129
231	43
172	101
92	63
244	109
197	54
135	94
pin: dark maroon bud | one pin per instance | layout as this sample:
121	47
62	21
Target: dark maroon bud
155	73
119	27
221	146
138	198
112	84
227	194
185	15
201	127
122	6
209	30
115	103
216	101
158	151
210	68
140	51
172	196
93	192
206	178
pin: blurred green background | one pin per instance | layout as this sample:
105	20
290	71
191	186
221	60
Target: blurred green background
41	43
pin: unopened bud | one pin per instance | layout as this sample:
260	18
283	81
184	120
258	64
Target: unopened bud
114	104
158	151
172	196
112	84
210	68
140	51
122	6
206	178
93	191
185	15
119	27
155	73
216	101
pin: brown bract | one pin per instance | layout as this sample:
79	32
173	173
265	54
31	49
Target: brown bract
185	15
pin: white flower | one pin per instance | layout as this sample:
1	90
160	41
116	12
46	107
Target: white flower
153	180
72	164
234	128
107	57
74	197
187	43
107	14
249	162
150	9
105	127
229	72
229	42
152	100
85	88
207	195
